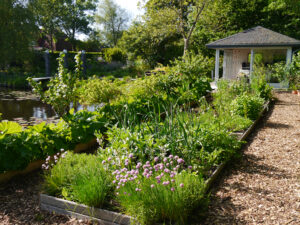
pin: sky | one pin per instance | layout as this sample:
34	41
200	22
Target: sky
130	6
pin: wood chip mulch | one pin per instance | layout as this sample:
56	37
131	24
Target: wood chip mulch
263	187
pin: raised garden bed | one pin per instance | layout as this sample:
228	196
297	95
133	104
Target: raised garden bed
4	177
60	206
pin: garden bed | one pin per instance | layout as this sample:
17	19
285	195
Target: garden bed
6	176
64	207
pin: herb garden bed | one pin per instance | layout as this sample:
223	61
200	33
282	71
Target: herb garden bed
6	176
80	211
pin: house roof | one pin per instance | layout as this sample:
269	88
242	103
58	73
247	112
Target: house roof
255	37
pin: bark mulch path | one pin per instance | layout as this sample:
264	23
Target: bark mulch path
263	187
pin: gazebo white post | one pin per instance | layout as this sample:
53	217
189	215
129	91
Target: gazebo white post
251	63
217	64
289	56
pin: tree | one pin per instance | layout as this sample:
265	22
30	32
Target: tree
69	16
187	14
17	31
46	13
113	19
74	17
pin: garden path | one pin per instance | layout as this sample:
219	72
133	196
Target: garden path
263	187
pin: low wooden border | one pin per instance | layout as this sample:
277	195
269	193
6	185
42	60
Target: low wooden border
243	137
4	177
80	211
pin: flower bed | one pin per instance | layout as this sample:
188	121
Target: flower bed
80	211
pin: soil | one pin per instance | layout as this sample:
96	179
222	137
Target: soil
262	187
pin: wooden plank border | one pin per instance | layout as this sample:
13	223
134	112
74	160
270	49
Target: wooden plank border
61	206
6	176
243	137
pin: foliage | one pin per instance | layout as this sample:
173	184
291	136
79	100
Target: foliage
95	91
114	20
18	30
61	88
114	54
247	106
81	178
20	147
159	191
259	84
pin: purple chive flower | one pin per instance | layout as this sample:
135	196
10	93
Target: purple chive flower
109	159
114	181
117	193
176	157
62	150
171	156
148	162
172	189
165	159
136	189
124	192
158	181
190	167
130	156
103	162
181	185
156	159
152	186
118	187
172	175
168	164
167	171
172	180
146	171
148	175
180	161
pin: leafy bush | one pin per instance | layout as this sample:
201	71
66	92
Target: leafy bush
95	91
115	54
248	106
259	84
61	88
81	178
20	147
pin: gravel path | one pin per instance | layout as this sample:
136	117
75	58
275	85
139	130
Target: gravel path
263	187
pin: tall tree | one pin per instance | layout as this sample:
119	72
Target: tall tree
75	17
46	13
69	16
187	13
113	20
17	31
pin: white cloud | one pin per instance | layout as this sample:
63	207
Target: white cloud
130	6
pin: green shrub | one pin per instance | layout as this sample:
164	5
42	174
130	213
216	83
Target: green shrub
248	106
81	178
96	91
259	84
20	147
115	55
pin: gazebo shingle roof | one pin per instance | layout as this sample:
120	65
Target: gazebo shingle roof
255	37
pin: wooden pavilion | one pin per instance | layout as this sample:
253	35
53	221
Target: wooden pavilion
238	47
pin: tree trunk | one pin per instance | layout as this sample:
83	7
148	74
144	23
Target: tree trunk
186	45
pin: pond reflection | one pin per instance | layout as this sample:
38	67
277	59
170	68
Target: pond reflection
24	106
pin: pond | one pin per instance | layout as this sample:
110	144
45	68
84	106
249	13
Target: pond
25	108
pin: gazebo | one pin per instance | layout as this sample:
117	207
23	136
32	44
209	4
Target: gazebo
238	47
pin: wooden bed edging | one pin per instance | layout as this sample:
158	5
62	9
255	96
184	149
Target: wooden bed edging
61	206
218	170
6	176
